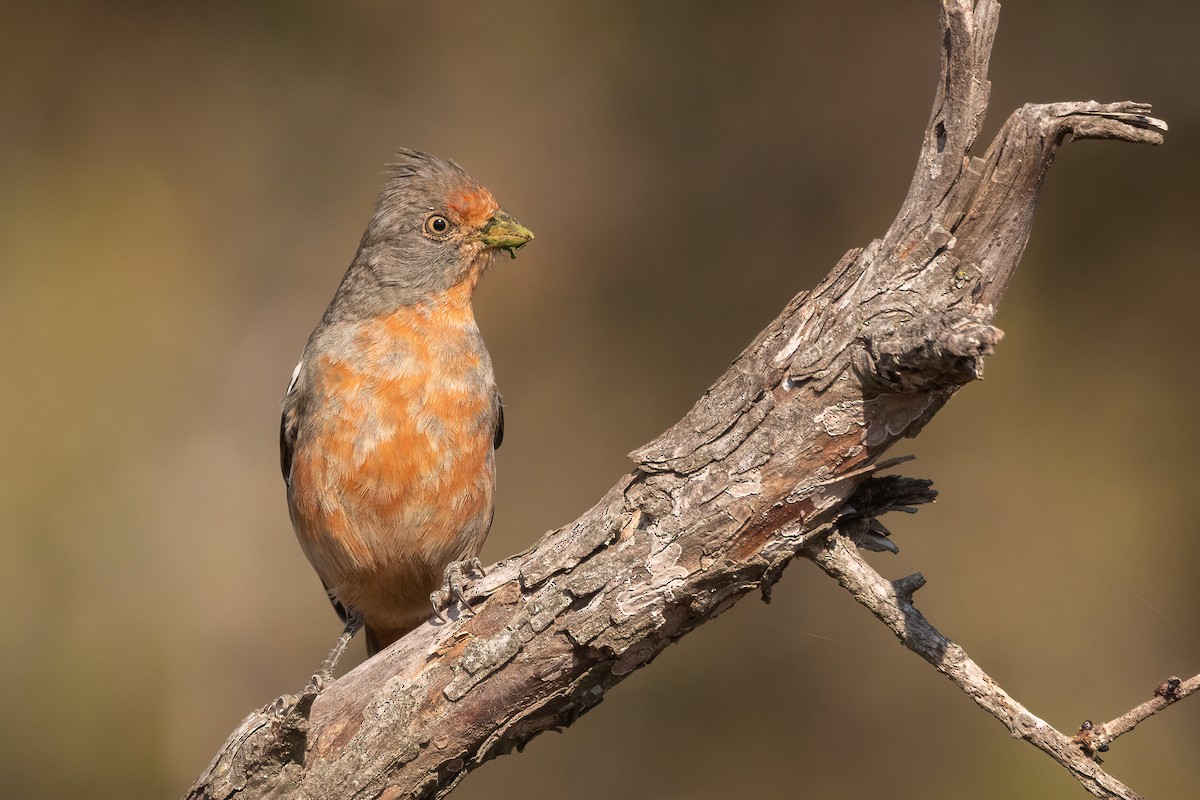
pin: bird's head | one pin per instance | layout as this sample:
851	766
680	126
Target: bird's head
435	227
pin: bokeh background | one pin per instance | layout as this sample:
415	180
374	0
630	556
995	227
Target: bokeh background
182	185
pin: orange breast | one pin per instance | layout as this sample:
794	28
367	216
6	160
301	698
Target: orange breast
393	474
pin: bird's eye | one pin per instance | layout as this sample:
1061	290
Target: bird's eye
437	226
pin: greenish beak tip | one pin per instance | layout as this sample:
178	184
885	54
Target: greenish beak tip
503	232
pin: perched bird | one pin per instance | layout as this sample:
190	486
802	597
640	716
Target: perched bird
392	417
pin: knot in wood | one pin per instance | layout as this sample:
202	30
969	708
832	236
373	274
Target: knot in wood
938	351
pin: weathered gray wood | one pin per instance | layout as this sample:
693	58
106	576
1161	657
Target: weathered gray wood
891	602
760	468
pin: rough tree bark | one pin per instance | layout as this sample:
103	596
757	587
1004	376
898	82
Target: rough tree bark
779	458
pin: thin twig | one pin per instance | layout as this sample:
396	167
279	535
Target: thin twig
891	603
1096	739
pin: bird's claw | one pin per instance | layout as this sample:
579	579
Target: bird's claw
317	683
451	591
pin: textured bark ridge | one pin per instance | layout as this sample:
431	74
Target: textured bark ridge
778	458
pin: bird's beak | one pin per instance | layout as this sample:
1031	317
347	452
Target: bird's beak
502	232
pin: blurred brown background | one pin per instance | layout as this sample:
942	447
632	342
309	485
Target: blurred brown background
182	185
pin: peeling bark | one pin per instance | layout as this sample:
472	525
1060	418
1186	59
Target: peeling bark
762	467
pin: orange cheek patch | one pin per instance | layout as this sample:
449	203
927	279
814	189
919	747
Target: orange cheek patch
474	207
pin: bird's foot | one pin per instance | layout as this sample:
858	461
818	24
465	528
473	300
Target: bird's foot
324	673
451	593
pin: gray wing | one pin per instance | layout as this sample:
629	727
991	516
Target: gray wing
498	437
289	423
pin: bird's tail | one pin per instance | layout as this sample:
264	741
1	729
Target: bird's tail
379	638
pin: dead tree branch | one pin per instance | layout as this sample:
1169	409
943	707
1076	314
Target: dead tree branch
1094	739
891	602
759	470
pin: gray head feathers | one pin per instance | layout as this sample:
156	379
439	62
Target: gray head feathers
398	262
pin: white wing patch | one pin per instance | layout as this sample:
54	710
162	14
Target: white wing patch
295	377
